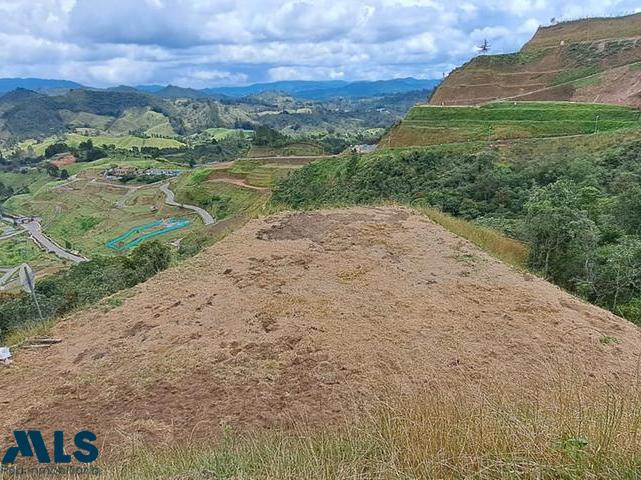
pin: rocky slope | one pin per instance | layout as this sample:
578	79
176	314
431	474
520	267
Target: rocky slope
592	60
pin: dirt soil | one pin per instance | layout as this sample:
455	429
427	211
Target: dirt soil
309	315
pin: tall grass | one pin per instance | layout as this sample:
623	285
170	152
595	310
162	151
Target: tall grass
571	432
504	248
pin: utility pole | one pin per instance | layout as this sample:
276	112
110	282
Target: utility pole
596	124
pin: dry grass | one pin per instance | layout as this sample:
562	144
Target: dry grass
18	337
570	432
504	248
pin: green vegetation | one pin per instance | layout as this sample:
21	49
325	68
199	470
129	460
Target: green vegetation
141	121
220	199
222	133
19	249
256	173
517	58
432	125
81	285
125	142
121	161
85	215
575	74
578	214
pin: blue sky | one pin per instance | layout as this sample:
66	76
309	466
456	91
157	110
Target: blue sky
201	43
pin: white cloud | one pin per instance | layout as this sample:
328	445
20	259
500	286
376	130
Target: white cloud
208	42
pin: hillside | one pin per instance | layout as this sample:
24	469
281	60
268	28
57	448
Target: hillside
267	326
427	125
592	60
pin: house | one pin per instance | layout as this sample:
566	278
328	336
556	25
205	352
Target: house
155	172
363	148
121	172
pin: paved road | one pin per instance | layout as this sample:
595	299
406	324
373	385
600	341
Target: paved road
170	199
34	229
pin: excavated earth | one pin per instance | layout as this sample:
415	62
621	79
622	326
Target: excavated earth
311	316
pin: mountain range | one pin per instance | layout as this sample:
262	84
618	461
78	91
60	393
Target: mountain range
309	90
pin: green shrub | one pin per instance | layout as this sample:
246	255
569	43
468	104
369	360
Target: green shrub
82	285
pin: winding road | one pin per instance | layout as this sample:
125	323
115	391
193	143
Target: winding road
170	199
33	227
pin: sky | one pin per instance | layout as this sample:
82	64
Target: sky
202	43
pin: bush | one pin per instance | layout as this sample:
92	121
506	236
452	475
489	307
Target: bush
82	285
580	216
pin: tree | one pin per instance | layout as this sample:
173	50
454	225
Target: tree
52	170
618	272
64	174
628	210
147	260
268	137
86	145
55	149
561	234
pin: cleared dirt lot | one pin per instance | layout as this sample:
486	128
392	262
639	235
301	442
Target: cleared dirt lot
310	315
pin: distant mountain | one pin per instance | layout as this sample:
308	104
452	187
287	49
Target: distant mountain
292	87
124	89
150	88
302	89
9	84
172	91
329	89
371	89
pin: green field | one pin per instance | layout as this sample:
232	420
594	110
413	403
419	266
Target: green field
152	123
257	174
221	133
124	141
122	161
120	141
219	198
84	216
291	150
433	125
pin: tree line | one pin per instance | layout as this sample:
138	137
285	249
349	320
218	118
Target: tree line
580	215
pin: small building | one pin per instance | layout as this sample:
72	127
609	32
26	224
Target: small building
363	148
155	172
121	172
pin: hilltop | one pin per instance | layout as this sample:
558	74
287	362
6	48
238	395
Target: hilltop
590	60
267	326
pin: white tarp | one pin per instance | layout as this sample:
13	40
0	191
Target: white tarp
5	354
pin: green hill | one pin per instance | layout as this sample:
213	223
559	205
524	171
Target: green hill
432	125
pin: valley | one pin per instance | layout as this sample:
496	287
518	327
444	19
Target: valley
341	280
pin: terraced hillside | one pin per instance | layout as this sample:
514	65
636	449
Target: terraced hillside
432	125
592	60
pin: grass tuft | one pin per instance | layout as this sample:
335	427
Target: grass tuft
504	248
